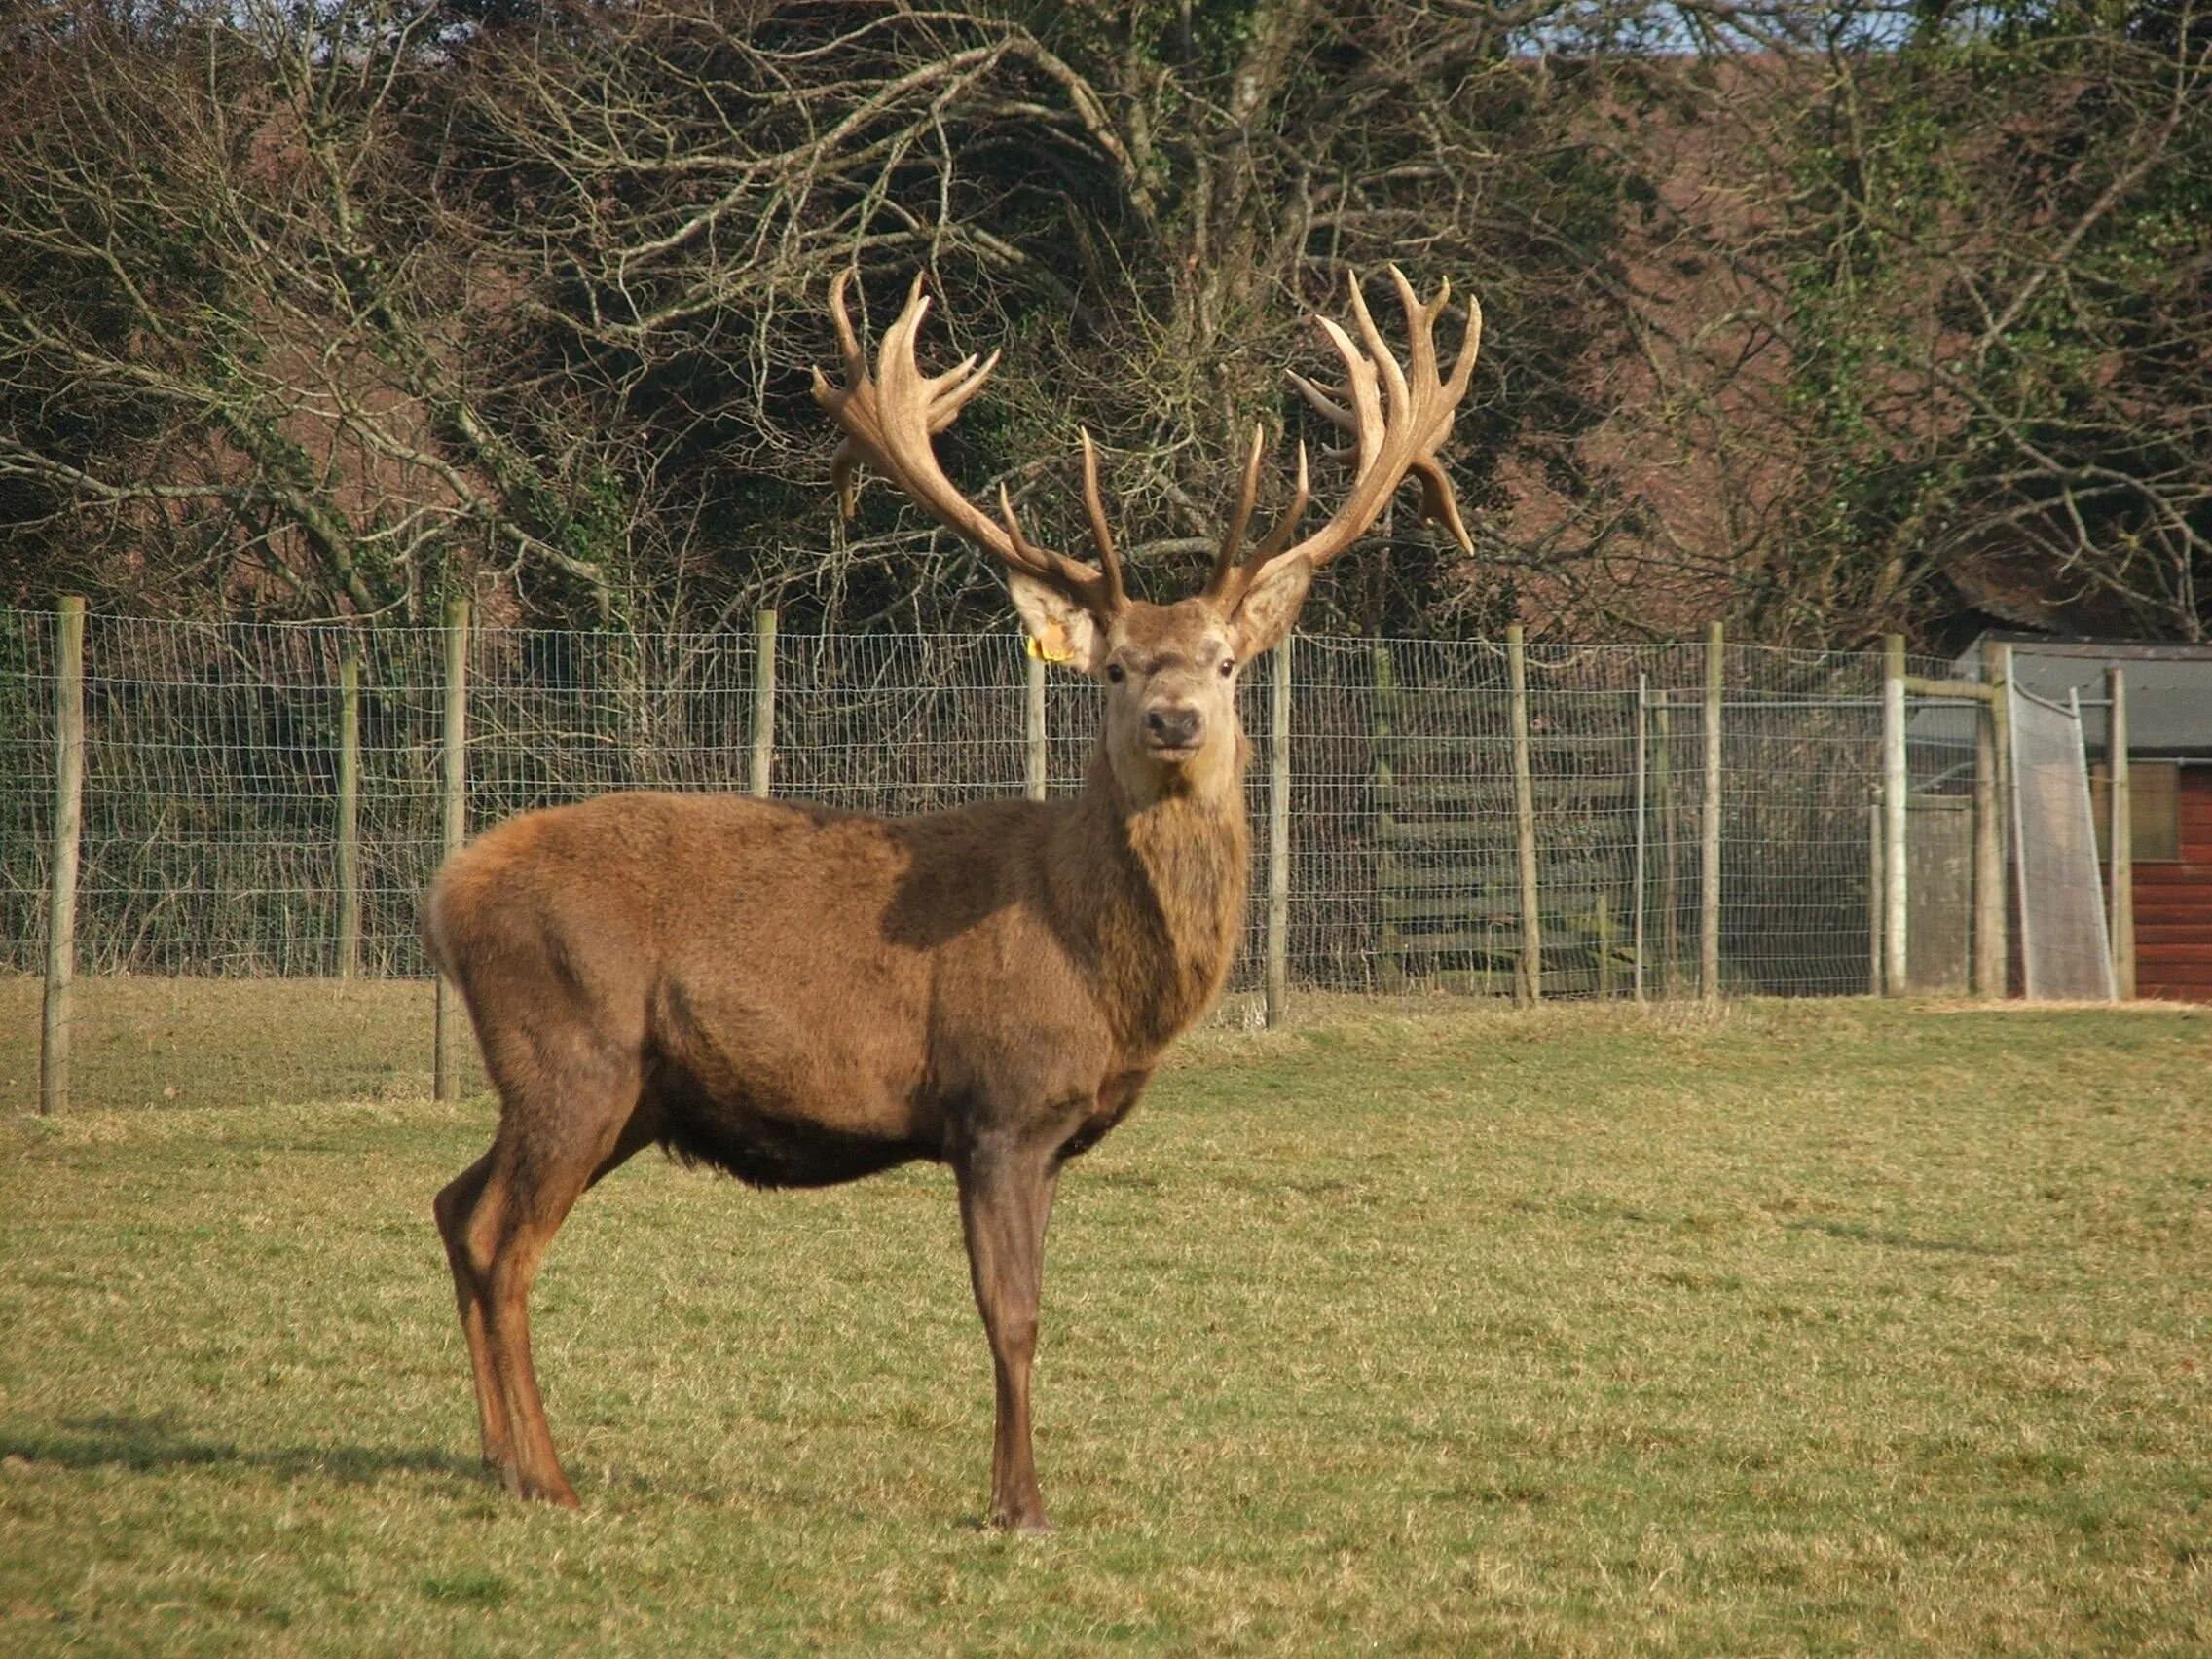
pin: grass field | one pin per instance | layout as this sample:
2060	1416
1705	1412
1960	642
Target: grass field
1825	1327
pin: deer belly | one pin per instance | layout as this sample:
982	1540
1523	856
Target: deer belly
776	1101
763	1153
766	1143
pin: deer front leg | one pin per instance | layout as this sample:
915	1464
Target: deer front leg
1005	1197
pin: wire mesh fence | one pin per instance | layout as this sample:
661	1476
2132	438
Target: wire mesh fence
216	800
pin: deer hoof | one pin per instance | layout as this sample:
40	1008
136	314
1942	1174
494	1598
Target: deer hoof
530	1490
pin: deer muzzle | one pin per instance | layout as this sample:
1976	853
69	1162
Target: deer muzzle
1173	728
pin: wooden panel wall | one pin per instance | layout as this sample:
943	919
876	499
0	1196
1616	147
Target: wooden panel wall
2173	905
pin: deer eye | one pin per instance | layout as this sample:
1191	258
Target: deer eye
1116	673
1227	667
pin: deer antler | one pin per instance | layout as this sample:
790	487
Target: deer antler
1397	419
889	422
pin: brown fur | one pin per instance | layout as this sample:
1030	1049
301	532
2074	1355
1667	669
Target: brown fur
802	996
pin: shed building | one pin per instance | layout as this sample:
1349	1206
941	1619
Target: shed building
2169	749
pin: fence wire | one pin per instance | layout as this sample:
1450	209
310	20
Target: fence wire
212	801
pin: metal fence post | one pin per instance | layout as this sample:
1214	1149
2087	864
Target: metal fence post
68	831
1709	837
2120	836
445	1067
1392	964
1895	785
349	813
763	701
1279	838
1531	980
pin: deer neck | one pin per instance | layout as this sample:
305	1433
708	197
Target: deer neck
1150	884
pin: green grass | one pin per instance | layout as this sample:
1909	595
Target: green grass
1812	1327
163	1042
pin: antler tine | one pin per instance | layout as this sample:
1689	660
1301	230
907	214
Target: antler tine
965	380
1247	497
848	340
847	459
1438	504
1463	371
1231	575
1286	525
1362	391
888	422
1378	356
1421	326
1026	554
1324	400
1101	534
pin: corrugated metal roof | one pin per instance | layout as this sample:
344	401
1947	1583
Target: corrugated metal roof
2169	687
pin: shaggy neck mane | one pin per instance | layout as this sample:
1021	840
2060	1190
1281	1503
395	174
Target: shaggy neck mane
1155	890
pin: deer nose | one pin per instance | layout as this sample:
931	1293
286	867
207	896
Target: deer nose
1172	728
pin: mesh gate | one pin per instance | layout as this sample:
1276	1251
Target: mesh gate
2065	951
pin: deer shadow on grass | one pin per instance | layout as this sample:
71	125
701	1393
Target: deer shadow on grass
1860	1233
161	1442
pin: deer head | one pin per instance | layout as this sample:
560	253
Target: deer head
1169	670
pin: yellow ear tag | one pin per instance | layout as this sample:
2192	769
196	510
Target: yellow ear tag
1048	653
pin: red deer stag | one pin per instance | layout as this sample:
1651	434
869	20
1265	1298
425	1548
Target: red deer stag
800	996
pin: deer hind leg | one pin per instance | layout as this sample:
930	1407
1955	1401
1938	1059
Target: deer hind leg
546	1154
1006	1199
453	1206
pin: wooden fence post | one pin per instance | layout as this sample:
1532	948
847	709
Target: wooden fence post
1996	674
1877	899
763	700
445	1062
1530	983
349	813
1670	855
2120	836
1279	838
1033	745
1895	788
1709	837
1636	886
1988	856
68	831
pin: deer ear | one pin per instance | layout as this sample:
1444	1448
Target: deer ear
1270	607
1060	629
